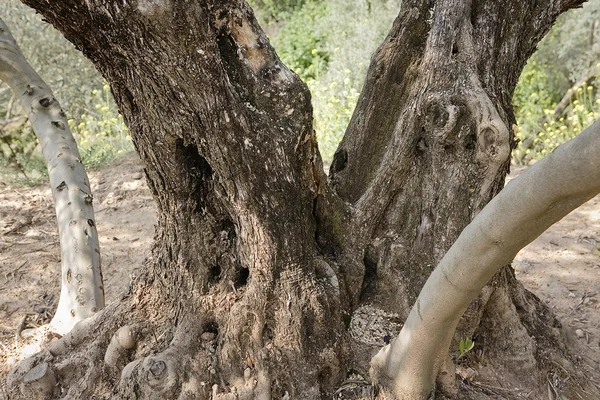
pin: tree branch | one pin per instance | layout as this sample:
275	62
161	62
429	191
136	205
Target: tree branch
82	293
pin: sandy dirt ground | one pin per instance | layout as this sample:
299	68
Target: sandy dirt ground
562	266
30	252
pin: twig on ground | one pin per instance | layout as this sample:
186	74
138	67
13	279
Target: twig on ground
20	327
582	301
13	273
498	391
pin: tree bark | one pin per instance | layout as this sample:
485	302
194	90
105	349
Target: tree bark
428	146
266	276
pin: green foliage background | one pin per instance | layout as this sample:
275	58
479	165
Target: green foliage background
569	54
329	45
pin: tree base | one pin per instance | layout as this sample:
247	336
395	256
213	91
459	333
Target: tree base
126	353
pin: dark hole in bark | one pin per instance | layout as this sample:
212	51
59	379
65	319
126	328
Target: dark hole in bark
128	95
229	52
470	145
489	139
437	115
448	148
340	161
45	102
210	326
267	332
270	71
241	277
223	14
196	176
519	308
59	124
346	318
454	49
214	274
325	376
370	276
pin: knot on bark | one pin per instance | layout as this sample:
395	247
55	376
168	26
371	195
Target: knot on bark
124	339
493	136
154	376
440	117
493	141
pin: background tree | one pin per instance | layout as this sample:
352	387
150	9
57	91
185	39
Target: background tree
261	262
82	292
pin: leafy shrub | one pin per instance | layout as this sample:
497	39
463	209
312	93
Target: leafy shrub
300	41
583	111
19	157
331	55
333	108
101	132
533	98
565	56
275	10
539	130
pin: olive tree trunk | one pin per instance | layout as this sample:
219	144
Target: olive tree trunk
267	278
82	293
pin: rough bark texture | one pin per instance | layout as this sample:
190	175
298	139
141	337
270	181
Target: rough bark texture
82	293
263	268
427	148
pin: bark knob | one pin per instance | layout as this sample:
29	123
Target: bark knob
39	380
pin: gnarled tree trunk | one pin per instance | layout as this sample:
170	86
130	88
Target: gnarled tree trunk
263	268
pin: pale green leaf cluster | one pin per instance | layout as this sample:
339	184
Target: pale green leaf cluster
569	54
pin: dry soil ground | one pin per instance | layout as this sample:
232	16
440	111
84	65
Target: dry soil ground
562	267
